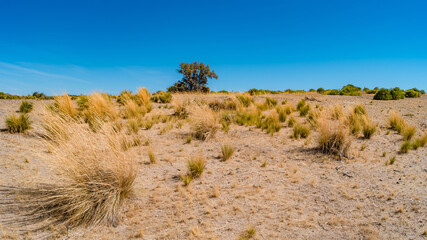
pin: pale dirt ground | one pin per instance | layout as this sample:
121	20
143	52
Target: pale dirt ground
298	195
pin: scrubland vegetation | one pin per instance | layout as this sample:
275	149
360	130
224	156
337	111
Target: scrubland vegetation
113	160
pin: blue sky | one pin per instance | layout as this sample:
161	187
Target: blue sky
84	46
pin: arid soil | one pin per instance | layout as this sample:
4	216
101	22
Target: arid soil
282	187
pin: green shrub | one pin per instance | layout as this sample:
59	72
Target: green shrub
18	124
351	90
25	107
383	94
411	93
397	93
332	92
320	90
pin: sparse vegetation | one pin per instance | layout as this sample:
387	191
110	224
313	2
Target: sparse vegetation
301	131
406	145
196	166
333	137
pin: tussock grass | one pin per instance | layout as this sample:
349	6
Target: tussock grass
333	137
245	99
196	166
151	156
133	110
369	128
93	178
65	105
270	124
227	152
25	107
181	107
301	131
420	142
203	122
99	109
282	113
396	121
300	104
359	109
408	132
144	96
18	123
353	123
248	117
337	112
291	121
405	147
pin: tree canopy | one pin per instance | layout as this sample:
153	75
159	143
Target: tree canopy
195	77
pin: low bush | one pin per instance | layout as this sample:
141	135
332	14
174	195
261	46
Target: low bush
18	124
412	93
227	152
389	94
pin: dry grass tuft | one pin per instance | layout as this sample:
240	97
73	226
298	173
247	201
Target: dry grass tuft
270	124
301	131
333	137
93	178
406	145
143	96
227	151
408	132
65	105
396	121
133	110
359	109
369	128
353	123
196	166
245	99
204	122
420	142
18	124
337	112
25	107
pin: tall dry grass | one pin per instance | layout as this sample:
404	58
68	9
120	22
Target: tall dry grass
92	177
333	136
65	105
203	122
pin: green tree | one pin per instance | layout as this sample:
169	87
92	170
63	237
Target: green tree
195	77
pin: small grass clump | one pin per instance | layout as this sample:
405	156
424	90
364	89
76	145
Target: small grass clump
406	145
419	142
196	166
396	121
301	131
408	132
248	234
391	161
227	152
337	112
245	99
369	128
25	107
291	121
204	122
270	124
161	97
282	113
303	111
353	123
151	156
359	109
18	124
333	137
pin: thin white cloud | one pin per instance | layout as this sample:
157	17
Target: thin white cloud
17	67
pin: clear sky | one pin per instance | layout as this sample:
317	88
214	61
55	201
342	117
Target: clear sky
82	46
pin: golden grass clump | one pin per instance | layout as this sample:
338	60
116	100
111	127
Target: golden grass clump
408	132
396	121
133	110
337	112
99	109
227	152
420	142
248	117
368	128
301	131
25	107
196	166
282	111
245	99
93	177
359	109
333	137
18	124
406	145
271	123
143	96
65	105
204	122
353	123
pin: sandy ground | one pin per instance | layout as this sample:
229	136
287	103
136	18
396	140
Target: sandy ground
299	193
